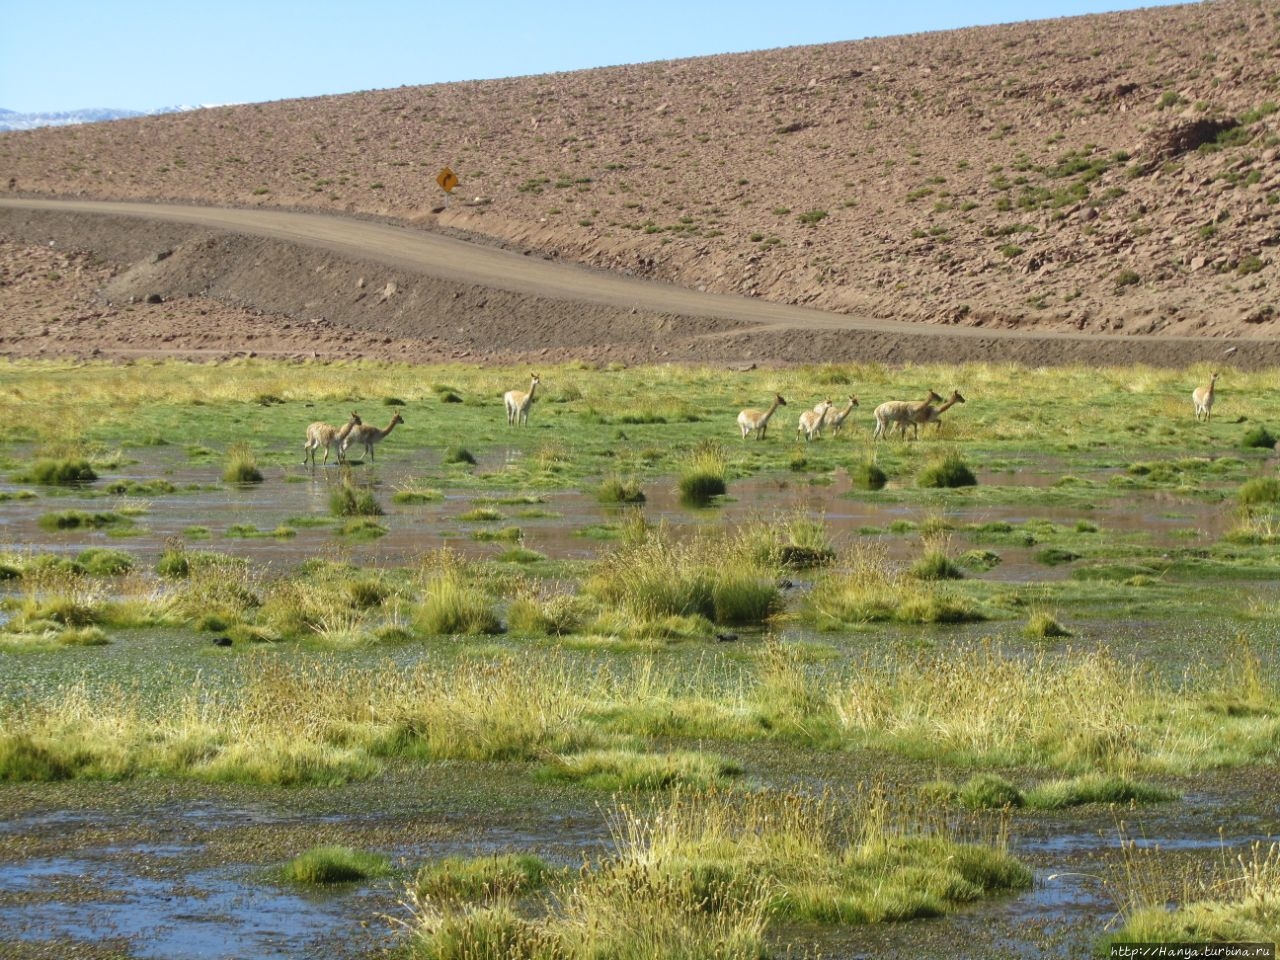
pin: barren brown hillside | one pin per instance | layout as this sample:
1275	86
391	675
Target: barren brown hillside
1109	174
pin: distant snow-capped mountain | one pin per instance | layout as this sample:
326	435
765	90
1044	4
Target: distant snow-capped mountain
11	120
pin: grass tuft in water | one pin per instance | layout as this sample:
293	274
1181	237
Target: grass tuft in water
57	471
242	465
947	471
321	866
704	477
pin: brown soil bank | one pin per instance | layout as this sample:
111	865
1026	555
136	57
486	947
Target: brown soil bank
135	280
1114	174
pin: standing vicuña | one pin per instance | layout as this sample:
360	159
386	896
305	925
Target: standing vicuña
928	414
837	417
368	436
1202	399
321	434
901	412
518	403
757	421
811	420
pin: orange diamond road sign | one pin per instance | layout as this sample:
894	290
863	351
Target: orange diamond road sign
447	180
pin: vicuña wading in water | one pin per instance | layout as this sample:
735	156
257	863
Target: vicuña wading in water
321	434
369	436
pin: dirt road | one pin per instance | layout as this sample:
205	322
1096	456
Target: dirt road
485	299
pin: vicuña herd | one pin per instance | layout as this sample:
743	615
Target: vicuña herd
889	415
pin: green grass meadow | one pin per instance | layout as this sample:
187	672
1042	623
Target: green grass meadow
1065	597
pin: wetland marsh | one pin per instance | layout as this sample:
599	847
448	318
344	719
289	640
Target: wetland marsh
810	714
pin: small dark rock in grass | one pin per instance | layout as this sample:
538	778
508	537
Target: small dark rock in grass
323	865
949	471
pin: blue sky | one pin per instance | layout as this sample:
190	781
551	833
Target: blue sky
70	54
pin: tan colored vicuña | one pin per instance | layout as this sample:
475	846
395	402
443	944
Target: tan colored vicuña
369	436
518	403
901	412
811	420
928	414
321	434
837	417
757	421
1202	399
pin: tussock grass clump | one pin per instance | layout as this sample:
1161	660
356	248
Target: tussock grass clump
988	791
80	520
702	876
1258	438
459	455
947	471
334	864
482	878
978	559
935	565
1259	491
414	495
1079	711
102	562
871	590
867	475
555	616
1094	788
1238	903
480	515
617	490
351	500
627	770
1042	625
242	465
453	603
657	578
704	477
52	471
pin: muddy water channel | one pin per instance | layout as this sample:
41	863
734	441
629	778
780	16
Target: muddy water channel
180	870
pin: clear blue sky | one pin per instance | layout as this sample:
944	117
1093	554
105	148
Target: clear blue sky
126	54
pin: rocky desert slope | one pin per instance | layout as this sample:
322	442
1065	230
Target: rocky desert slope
1112	174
